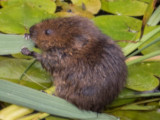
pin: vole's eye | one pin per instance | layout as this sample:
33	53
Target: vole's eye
48	31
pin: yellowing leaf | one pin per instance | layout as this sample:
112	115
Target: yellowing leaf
92	6
72	10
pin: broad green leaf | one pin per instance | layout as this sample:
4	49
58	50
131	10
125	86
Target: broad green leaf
92	6
118	27
141	76
47	5
12	69
20	16
124	7
147	1
40	101
137	115
10	44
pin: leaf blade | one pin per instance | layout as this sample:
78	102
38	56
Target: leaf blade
43	102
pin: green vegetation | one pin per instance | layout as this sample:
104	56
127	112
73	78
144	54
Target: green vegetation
133	24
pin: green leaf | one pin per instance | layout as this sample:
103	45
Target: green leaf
92	6
142	58
138	107
11	44
155	18
124	7
55	118
19	16
40	101
153	47
137	115
147	1
47	5
11	70
146	47
132	46
147	15
141	76
121	101
118	27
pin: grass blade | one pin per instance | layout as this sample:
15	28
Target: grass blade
132	46
143	57
147	15
148	45
155	18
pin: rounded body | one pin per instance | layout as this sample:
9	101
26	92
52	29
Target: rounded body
89	69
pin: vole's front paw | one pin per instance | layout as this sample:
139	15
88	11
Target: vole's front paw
26	51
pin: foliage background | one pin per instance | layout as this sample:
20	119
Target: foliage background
125	21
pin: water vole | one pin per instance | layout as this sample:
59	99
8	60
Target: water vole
89	69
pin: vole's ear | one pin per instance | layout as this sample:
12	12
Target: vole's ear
80	41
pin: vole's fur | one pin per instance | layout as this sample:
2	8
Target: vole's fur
89	69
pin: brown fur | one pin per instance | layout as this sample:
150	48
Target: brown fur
88	67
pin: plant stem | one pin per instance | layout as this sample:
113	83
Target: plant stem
29	66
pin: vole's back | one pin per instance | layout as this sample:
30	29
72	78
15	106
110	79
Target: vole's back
88	67
93	84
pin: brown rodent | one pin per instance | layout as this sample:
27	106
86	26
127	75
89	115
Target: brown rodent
89	69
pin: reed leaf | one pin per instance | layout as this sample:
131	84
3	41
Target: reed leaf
43	102
11	44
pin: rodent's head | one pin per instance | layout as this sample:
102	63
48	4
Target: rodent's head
69	32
